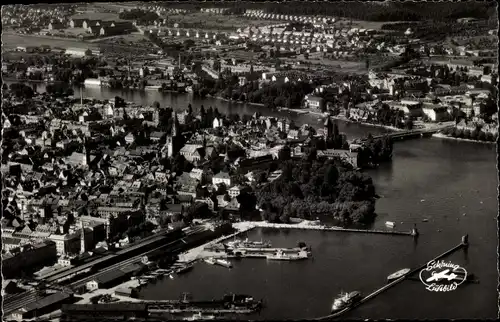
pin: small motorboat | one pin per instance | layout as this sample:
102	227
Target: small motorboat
390	224
397	274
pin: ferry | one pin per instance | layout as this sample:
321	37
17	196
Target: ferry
199	316
223	262
280	255
210	261
398	274
345	300
390	224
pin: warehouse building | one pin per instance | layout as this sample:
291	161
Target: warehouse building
107	280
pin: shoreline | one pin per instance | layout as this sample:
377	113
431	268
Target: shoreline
15	80
443	136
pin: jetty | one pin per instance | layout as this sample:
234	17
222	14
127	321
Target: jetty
463	244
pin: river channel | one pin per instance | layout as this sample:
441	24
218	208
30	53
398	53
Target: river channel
452	184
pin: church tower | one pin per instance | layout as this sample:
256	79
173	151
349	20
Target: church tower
328	128
84	158
173	138
82	239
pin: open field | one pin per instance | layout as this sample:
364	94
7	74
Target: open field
11	41
216	22
132	37
242	54
377	25
97	16
116	6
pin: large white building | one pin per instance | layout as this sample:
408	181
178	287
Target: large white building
78	52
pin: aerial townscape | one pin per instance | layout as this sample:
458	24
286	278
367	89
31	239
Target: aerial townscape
249	161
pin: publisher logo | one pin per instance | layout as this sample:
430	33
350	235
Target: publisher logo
442	276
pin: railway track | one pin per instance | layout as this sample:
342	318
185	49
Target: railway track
131	260
17	301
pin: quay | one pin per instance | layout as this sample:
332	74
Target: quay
463	244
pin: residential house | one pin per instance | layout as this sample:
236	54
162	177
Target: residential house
222	178
76	23
435	113
192	152
157	136
185	200
315	102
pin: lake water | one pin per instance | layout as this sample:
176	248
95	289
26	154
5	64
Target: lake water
453	184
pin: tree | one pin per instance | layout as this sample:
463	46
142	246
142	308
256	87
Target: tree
21	90
284	153
331	175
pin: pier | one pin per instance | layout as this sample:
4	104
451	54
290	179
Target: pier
261	224
463	244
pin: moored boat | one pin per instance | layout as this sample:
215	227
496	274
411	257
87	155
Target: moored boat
398	274
280	255
210	261
223	262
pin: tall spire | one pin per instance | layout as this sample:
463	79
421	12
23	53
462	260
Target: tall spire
82	238
174	124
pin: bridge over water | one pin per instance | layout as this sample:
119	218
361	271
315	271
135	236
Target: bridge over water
414	134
